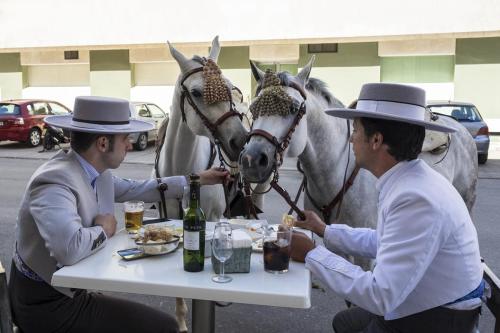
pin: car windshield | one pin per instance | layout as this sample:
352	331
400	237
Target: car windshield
9	109
463	113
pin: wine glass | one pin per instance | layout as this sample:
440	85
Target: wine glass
222	248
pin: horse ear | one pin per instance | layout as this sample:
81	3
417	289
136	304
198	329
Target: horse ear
215	49
258	74
306	71
179	57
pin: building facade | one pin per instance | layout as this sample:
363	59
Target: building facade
61	49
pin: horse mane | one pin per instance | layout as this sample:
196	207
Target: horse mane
314	86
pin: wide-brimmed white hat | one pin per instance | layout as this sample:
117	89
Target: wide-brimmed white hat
390	101
93	114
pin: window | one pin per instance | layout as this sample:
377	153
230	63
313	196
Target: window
322	48
71	55
58	109
9	109
40	108
464	113
142	111
156	111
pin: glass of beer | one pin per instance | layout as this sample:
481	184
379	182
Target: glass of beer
134	212
277	248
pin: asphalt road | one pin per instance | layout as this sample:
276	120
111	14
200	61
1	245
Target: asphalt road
15	173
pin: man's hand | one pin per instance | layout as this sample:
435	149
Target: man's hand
312	222
301	245
107	222
214	176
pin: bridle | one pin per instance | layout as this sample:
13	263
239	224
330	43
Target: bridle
280	147
212	127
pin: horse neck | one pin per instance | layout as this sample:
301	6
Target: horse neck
327	151
183	151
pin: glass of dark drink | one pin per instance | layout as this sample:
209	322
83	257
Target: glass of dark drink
277	248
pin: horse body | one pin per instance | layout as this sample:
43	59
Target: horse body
321	144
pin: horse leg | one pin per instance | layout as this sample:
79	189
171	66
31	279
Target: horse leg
180	314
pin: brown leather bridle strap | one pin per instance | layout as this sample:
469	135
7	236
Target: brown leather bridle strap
283	145
326	210
268	136
212	127
274	184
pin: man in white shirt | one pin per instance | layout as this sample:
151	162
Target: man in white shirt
67	214
428	274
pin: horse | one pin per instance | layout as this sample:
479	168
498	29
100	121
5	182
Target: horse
321	144
204	126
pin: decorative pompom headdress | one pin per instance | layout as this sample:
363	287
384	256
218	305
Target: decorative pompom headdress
214	87
273	100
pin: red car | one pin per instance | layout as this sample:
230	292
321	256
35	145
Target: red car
22	120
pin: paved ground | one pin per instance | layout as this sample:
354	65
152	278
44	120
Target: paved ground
18	162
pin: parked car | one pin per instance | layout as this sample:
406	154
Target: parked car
151	113
22	120
468	115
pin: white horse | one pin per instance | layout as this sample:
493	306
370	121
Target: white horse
189	144
321	144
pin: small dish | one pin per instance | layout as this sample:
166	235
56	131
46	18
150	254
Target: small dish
158	247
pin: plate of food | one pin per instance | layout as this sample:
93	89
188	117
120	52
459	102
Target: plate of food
156	240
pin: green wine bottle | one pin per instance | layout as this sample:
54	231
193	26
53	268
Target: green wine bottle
194	224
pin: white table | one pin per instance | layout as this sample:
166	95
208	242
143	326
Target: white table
164	276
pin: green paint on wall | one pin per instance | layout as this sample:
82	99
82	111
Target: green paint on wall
234	57
10	62
290	68
109	60
348	55
427	69
478	51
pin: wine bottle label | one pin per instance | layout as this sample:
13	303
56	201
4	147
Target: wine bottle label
192	240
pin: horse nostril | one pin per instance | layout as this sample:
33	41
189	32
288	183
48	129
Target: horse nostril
263	160
245	160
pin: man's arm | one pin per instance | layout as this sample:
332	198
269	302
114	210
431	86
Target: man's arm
147	190
340	237
54	210
411	239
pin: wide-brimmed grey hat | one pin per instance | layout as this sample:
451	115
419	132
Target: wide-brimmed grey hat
390	101
93	114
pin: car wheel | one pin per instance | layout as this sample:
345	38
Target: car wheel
34	137
482	158
142	142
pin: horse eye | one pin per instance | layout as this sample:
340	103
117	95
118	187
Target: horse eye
196	93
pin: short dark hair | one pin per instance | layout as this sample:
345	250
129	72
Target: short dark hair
81	141
404	140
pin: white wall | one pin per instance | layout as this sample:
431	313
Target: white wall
345	82
64	95
160	95
35	23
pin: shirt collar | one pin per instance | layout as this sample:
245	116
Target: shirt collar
384	179
89	169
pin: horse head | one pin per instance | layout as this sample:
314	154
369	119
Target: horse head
279	128
210	105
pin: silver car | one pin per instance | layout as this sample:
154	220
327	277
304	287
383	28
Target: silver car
468	115
150	113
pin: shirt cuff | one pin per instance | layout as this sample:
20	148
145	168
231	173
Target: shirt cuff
320	256
175	185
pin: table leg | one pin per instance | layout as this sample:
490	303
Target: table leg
203	317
